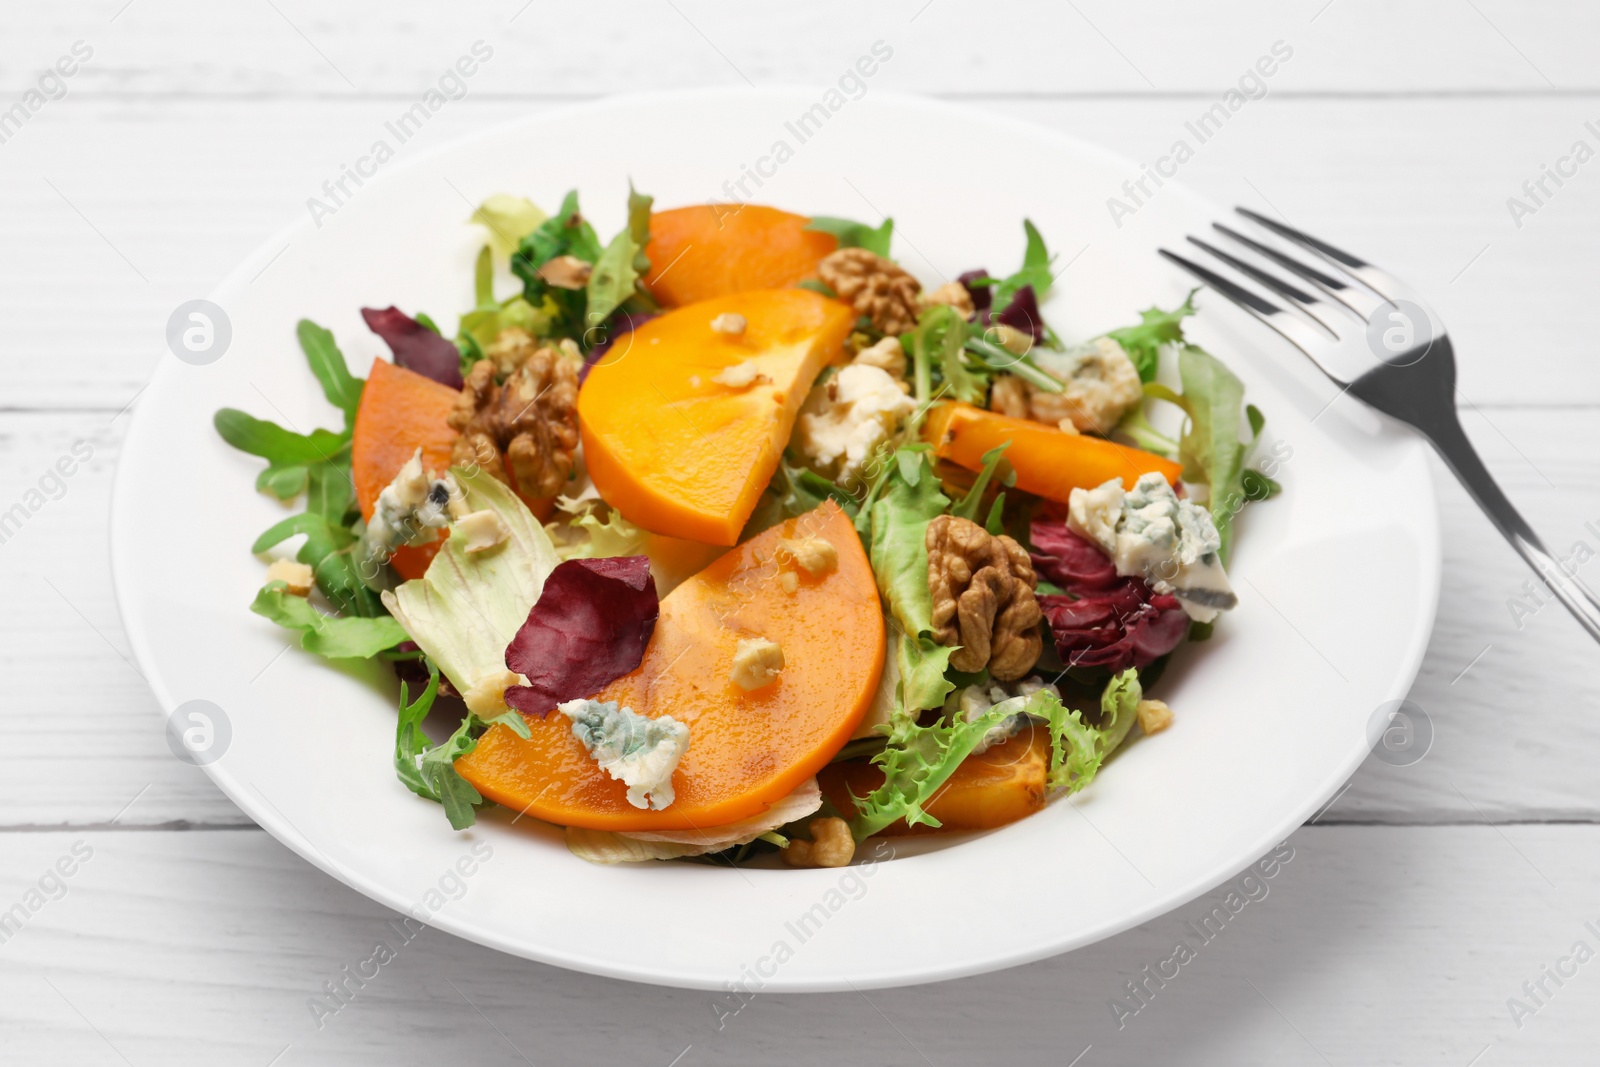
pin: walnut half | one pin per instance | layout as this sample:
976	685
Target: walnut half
528	426
873	287
983	600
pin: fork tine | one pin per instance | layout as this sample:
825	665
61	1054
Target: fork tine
1379	281
1359	303
1306	302
1291	329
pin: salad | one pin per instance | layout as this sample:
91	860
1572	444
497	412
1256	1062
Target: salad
726	537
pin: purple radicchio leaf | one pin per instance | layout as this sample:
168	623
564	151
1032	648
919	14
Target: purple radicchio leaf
589	628
415	347
981	294
621	323
1022	314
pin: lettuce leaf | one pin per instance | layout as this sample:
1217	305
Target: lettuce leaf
508	219
327	635
588	536
603	846
1210	448
613	278
920	759
465	610
1156	328
898	549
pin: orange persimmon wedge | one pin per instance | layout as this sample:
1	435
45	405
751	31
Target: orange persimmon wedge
400	412
1049	462
997	786
711	250
746	748
679	451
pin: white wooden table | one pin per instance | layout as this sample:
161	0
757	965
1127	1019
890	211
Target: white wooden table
1414	908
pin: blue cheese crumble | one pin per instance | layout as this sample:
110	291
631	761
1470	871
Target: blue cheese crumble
640	752
411	510
1151	534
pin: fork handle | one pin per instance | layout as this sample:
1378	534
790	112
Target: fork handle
1450	440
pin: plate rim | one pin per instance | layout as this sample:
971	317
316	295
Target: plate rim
1410	445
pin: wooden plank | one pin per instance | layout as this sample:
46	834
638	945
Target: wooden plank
87	736
205	947
97	257
296	47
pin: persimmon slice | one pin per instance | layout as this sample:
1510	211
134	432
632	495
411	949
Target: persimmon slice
710	250
746	749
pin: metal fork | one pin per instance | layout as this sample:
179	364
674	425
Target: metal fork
1379	341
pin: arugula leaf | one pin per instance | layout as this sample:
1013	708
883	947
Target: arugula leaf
410	740
428	770
967	506
280	447
326	635
508	219
1156	328
817	286
330	491
1035	270
898	547
852	234
567	234
939	340
613	278
342	388
285	483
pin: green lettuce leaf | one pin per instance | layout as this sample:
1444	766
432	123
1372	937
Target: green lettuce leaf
1210	447
613	278
921	664
588	536
508	219
327	635
464	611
898	549
639	227
1156	328
918	760
852	234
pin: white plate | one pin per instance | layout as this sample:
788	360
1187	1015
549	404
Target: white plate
1337	578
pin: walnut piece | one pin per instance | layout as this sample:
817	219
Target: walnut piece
952	294
982	588
831	845
524	432
510	349
1101	386
874	287
297	576
1154	716
887	356
729	323
814	555
756	663
566	272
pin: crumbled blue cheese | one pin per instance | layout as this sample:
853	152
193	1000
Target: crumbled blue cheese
845	420
974	701
411	510
1148	532
640	752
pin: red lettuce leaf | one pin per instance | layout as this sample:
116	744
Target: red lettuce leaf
981	295
589	628
415	347
1022	314
1103	620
